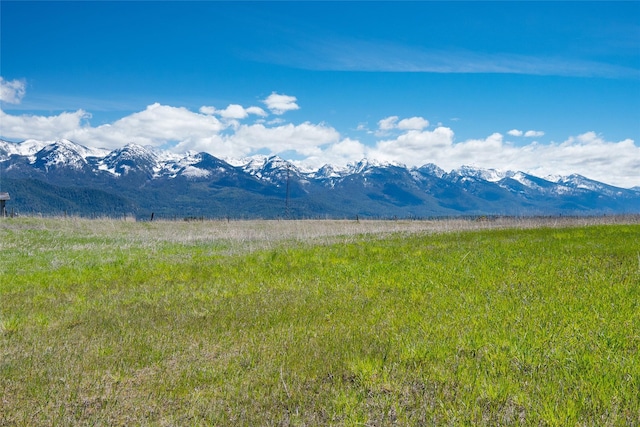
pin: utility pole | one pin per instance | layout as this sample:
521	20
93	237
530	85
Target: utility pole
3	197
286	203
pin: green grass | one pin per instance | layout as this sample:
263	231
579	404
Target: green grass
104	323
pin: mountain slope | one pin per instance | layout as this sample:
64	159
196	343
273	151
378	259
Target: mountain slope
61	176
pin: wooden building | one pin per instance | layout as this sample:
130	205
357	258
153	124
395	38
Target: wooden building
3	199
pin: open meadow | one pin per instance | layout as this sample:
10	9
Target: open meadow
347	323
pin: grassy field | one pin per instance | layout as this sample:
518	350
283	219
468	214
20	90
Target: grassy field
258	323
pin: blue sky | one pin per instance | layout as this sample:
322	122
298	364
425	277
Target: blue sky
543	87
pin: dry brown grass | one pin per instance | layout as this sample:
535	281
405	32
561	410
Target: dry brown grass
262	233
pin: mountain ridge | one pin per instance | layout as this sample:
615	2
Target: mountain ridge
148	180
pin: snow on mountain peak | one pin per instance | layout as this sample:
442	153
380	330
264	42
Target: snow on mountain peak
158	162
62	152
26	148
82	150
432	169
328	171
364	164
253	164
491	175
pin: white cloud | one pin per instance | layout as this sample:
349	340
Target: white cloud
305	138
280	104
257	111
338	154
414	147
345	54
12	91
276	121
388	123
394	122
233	111
207	110
588	154
533	133
41	127
527	134
413	123
362	127
156	125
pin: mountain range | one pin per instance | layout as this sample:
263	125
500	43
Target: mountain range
53	178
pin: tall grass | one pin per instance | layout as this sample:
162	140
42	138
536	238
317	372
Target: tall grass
105	322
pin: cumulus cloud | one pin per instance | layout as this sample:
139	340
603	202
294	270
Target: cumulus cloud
388	123
207	110
414	147
12	91
280	104
527	134
338	154
233	111
305	139
220	134
587	154
156	125
413	123
533	133
41	127
257	111
393	122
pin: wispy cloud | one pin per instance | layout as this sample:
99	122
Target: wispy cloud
384	56
12	91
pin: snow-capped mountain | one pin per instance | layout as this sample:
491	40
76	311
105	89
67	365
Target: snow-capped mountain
365	165
146	180
26	148
62	153
329	172
490	175
272	169
580	182
132	158
431	169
